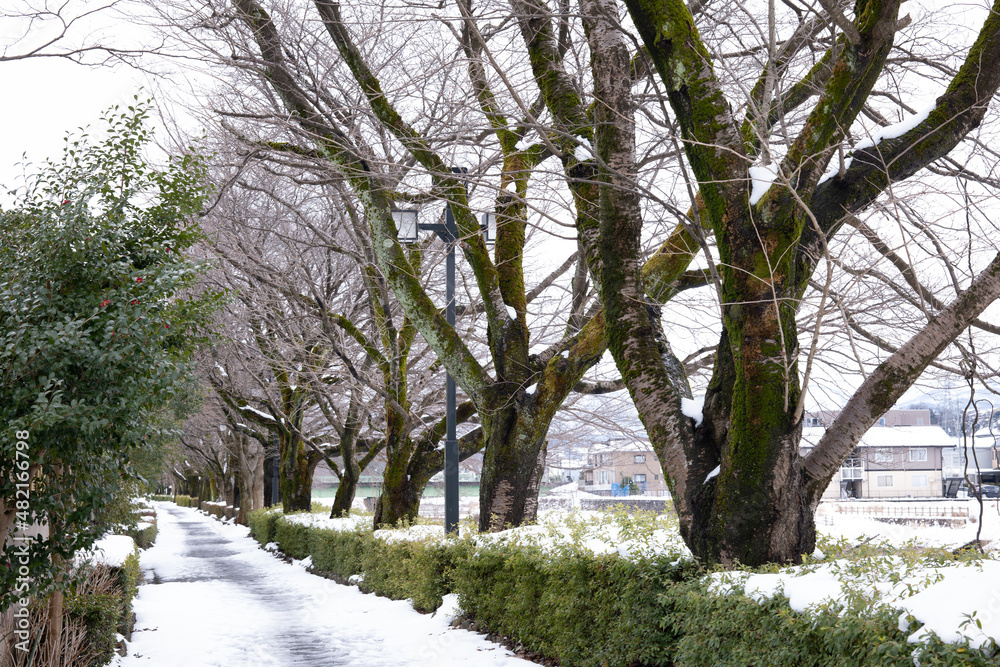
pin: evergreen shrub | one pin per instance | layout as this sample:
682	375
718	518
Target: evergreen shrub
262	524
144	537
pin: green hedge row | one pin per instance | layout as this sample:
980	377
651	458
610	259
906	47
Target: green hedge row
220	511
400	570
602	610
183	501
144	537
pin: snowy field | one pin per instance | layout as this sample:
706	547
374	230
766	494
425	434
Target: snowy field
222	601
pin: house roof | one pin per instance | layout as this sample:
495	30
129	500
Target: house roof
889	436
626	446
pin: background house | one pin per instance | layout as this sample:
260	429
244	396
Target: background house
623	467
900	457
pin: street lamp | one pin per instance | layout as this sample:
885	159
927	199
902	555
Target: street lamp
407	226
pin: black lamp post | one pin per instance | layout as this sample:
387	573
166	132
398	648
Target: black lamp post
407	226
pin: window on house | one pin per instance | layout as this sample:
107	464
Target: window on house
656	476
920	421
639	479
918	481
881	422
883	481
639	458
883	456
918	454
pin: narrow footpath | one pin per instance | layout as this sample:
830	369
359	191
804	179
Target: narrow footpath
212	597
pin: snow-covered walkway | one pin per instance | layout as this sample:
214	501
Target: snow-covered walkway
213	597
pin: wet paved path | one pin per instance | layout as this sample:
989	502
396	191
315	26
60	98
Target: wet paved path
214	598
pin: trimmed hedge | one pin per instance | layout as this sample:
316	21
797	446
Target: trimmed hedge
183	501
145	537
592	610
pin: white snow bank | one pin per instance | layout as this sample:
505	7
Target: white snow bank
271	608
449	609
110	550
322	521
940	599
962	594
416	533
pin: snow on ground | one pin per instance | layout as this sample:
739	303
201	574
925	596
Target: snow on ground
109	550
832	520
222	601
954	600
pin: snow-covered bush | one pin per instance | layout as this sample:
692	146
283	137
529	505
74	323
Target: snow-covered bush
620	589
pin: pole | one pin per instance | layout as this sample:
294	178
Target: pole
451	441
275	475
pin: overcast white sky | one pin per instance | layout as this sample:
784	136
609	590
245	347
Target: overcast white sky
48	98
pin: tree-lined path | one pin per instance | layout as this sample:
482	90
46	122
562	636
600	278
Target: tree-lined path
213	597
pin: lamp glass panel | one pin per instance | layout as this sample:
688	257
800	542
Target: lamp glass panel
406	225
488	225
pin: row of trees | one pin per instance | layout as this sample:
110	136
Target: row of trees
741	168
750	157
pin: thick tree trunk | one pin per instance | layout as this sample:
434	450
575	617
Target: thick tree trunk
399	501
346	490
512	467
772	522
296	468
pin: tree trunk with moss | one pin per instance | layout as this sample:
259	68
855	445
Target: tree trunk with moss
296	466
742	491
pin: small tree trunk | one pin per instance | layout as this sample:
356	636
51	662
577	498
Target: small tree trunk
349	476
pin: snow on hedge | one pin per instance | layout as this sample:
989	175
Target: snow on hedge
110	550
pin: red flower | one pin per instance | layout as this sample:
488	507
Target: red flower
105	302
138	280
166	326
133	302
65	201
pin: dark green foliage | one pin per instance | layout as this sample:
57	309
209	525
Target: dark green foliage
101	614
419	571
144	537
732	630
98	324
580	608
293	538
341	553
262	524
